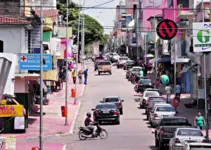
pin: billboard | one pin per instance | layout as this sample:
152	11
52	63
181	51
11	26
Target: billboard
202	37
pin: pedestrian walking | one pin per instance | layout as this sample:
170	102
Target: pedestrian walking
74	76
157	83
85	76
168	93
80	74
178	90
141	73
176	103
199	121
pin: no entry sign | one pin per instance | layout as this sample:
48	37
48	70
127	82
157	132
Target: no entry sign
166	29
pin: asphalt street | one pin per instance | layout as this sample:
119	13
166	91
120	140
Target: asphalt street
133	133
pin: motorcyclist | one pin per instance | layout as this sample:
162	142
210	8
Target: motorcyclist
89	123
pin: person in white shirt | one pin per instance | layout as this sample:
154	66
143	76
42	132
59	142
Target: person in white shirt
168	92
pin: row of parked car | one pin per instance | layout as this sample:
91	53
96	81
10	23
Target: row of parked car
171	131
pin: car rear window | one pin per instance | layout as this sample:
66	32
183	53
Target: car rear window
136	69
156	99
113	99
145	82
189	132
200	147
164	108
174	121
106	106
151	93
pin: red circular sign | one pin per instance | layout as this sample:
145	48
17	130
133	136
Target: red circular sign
167	29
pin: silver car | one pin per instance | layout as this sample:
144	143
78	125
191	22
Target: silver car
183	135
161	110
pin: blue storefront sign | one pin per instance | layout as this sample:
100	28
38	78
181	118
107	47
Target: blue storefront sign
32	62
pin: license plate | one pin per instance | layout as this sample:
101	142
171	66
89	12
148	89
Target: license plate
191	141
165	116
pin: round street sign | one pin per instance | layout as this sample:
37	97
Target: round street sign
166	29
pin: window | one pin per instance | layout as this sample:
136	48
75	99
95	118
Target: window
112	99
106	106
185	3
200	147
176	121
145	82
151	94
168	109
1	47
189	132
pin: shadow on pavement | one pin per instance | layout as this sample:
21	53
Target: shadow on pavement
153	148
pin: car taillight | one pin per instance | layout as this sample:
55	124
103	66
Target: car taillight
148	101
161	132
96	113
155	115
204	141
177	140
115	112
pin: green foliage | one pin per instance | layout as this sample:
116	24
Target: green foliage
93	29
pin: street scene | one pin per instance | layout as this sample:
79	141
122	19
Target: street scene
105	75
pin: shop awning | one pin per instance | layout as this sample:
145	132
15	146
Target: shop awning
186	69
50	75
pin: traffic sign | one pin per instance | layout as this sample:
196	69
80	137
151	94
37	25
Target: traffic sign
167	29
32	62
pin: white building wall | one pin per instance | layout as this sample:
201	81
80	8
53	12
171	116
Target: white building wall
46	4
15	40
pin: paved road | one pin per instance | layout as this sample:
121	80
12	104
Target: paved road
132	134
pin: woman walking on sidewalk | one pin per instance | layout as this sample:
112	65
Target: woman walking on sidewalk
80	74
74	76
199	121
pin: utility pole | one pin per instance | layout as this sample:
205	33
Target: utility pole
156	52
41	76
205	82
136	24
78	44
83	39
66	84
145	46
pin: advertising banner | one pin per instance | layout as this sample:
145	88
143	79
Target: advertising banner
61	32
11	111
202	37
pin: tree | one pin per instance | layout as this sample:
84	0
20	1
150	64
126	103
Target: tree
93	29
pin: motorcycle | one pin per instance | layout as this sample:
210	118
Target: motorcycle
85	132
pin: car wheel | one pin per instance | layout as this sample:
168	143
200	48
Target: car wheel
156	142
121	111
110	73
147	117
98	72
117	122
161	146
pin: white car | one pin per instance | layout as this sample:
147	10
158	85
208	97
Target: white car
121	61
183	135
145	97
136	69
161	110
197	146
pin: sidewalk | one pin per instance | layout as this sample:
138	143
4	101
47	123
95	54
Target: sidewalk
189	113
53	122
28	146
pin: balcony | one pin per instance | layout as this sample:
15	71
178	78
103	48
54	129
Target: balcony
184	13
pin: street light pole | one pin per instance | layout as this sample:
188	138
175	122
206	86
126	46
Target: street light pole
66	84
205	83
78	43
83	38
41	76
156	53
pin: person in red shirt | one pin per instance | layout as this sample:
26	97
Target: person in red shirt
157	83
176	103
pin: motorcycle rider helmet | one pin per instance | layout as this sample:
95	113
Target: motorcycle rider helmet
88	114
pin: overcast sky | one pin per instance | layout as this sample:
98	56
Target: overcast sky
106	17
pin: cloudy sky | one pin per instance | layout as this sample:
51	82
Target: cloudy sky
105	16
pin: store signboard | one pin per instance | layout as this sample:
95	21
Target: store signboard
11	111
202	37
62	31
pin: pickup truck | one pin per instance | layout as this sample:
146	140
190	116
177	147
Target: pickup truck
166	128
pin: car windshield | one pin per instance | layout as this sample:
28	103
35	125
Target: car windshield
174	121
145	82
151	93
189	132
200	147
136	69
104	63
165	108
112	99
106	106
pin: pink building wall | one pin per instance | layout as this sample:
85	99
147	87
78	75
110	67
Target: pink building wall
148	11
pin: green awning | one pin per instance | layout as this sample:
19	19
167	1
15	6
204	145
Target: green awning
47	35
